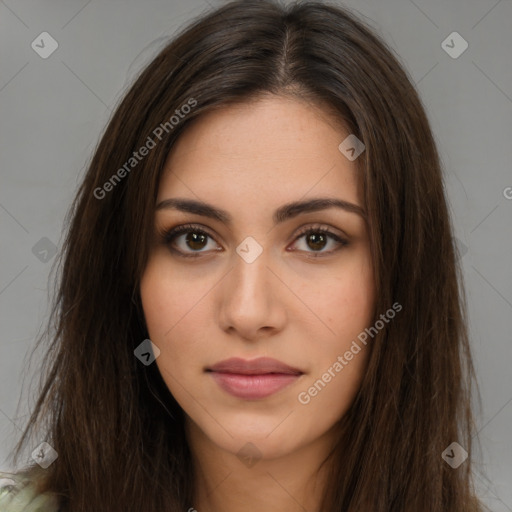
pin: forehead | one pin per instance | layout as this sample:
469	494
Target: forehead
274	148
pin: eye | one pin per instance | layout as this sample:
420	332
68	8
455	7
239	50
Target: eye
189	240
196	239
317	238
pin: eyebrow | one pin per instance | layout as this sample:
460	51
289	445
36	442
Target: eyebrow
282	214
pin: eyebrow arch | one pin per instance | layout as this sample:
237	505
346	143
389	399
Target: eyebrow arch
283	213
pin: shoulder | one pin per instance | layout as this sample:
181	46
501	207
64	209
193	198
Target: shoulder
18	493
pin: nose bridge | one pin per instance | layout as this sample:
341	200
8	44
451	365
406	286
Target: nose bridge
250	299
250	275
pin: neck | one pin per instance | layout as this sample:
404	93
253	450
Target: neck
223	483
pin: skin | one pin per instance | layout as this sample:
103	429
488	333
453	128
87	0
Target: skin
250	159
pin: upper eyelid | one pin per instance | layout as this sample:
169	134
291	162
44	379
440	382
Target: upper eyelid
299	231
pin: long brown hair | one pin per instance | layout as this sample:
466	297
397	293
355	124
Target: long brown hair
116	427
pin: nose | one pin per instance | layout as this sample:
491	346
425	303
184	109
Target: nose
252	299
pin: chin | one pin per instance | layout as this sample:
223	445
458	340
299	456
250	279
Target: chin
268	437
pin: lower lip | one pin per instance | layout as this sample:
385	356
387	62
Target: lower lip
253	387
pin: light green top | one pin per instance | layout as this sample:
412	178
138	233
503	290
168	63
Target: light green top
18	494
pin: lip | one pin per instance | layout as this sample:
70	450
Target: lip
259	366
254	379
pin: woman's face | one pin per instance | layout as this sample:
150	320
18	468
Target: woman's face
248	283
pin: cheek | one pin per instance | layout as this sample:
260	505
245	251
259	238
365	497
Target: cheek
167	300
345	302
347	309
174	314
338	369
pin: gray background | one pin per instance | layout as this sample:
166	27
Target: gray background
53	110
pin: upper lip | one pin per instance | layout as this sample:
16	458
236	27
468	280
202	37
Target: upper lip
259	366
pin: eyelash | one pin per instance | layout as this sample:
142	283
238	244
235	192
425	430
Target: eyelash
167	236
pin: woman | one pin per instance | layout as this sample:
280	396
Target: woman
260	306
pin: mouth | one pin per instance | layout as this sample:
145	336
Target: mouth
255	379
